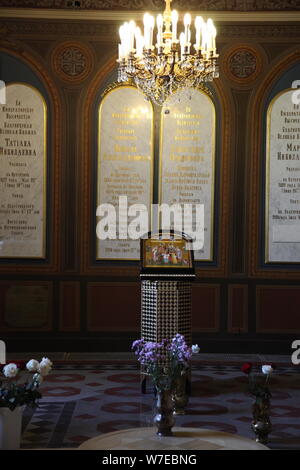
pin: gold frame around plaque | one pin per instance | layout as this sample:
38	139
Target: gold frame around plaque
209	96
107	92
267	179
44	231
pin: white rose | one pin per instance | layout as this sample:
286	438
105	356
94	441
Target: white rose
44	366
267	370
10	370
195	349
32	365
45	361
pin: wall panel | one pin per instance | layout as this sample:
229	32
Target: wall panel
205	307
113	306
237	308
69	306
277	309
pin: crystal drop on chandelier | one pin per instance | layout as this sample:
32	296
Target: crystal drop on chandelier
161	70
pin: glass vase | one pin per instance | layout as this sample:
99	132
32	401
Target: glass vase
261	424
179	395
164	419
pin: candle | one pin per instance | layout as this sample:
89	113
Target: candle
121	34
127	39
174	17
210	27
139	40
147	30
121	52
151	23
187	22
198	26
159	22
214	34
123	31
204	38
131	30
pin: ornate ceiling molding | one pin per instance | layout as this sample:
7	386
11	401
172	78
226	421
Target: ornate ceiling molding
106	32
120	16
206	5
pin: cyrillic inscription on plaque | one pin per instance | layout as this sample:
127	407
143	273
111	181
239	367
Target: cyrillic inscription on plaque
187	160
125	163
22	173
283	180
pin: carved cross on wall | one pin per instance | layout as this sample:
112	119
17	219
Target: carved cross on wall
72	62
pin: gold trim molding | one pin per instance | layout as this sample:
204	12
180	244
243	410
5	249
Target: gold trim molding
119	15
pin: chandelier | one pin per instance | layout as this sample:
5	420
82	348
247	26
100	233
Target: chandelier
170	65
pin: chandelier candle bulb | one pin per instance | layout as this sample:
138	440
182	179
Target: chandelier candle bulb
151	30
187	22
139	42
147	30
174	17
127	39
198	26
204	38
214	34
159	22
121	55
131	34
121	46
210	27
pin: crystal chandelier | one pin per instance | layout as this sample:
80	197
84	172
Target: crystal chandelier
170	66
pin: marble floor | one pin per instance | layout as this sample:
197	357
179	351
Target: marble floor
93	393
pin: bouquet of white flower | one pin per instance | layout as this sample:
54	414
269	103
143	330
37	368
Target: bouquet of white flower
13	393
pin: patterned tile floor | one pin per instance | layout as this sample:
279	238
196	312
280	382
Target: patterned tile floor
84	397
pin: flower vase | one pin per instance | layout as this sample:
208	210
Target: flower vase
10	427
164	418
261	424
179	395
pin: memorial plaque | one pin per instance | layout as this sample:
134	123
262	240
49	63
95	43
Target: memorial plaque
187	160
125	167
23	173
282	237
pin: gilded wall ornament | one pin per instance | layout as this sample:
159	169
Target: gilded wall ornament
72	61
242	64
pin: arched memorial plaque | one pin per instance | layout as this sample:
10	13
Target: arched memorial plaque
23	173
125	166
187	160
282	217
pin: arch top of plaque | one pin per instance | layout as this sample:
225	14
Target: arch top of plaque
281	93
115	86
32	88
